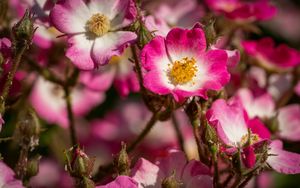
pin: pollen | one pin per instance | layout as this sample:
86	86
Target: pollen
253	139
98	24
182	71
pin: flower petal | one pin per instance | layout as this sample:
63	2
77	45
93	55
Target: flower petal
283	161
289	122
121	182
110	44
70	16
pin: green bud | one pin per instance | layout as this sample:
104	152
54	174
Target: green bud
123	162
145	36
23	30
170	182
85	183
210	32
33	167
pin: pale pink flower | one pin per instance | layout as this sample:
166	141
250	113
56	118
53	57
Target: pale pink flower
289	122
190	174
48	100
180	64
7	177
262	106
279	58
243	11
121	182
93	29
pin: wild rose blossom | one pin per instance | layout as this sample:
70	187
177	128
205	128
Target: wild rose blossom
93	29
190	174
180	64
277	58
240	10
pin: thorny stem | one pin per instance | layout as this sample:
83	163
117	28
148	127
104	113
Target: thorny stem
144	133
137	64
196	130
70	116
245	181
9	81
216	171
21	166
178	132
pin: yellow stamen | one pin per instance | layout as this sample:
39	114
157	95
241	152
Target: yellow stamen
183	71
98	24
253	138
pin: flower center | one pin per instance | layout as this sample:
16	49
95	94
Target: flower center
253	138
183	71
98	24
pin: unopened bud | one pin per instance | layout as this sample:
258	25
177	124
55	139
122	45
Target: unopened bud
170	182
33	167
210	32
78	163
28	128
123	162
85	183
144	36
23	30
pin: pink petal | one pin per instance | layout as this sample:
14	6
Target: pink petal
201	181
194	168
283	161
185	43
248	157
289	122
257	127
121	182
70	16
145	173
7	177
229	121
111	44
79	52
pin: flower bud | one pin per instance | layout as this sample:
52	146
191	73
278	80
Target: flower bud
170	182
144	36
123	162
85	183
78	163
153	102
28	128
33	167
23	30
209	29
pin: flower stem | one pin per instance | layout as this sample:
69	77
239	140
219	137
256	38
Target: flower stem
9	81
137	64
145	132
178	132
70	116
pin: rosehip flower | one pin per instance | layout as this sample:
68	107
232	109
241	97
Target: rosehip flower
7	177
186	173
47	99
289	122
93	29
243	11
283	161
262	106
180	65
279	59
235	130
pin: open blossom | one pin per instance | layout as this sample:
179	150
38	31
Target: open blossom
180	64
242	10
279	58
262	106
7	178
232	126
48	100
289	122
191	174
94	29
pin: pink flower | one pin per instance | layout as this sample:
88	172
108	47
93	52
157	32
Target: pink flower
187	173
121	182
283	161
280	58
289	122
180	65
243	11
297	88
7	178
94	29
262	106
119	72
48	101
234	129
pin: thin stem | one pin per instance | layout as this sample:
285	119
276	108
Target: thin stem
178	132
9	81
196	130
227	180
216	172
144	133
137	65
246	181
70	116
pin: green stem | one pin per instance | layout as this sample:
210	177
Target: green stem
9	81
70	116
196	131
